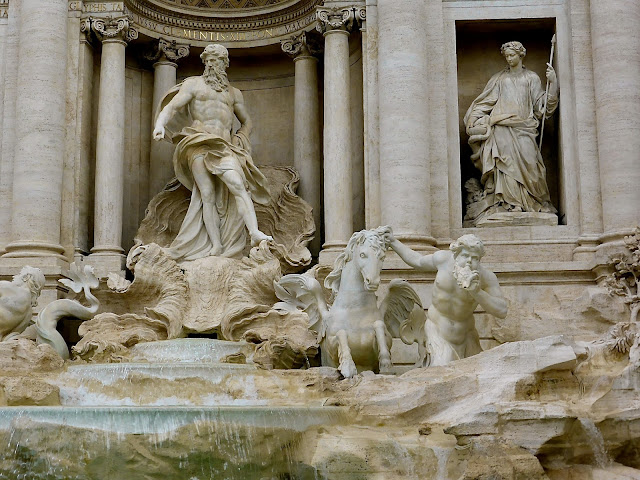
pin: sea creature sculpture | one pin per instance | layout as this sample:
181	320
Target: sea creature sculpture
17	299
355	332
80	279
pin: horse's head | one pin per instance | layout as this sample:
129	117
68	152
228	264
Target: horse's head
366	250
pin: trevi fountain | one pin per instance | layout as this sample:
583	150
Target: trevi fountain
307	239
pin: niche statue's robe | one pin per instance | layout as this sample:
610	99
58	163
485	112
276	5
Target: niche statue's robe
193	138
513	172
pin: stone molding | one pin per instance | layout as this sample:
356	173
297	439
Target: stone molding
109	29
300	45
168	50
211	20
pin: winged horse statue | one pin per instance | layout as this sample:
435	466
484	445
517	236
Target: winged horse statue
355	332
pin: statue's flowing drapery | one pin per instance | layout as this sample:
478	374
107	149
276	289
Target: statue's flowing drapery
513	172
192	139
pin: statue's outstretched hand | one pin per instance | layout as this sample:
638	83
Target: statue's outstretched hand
158	133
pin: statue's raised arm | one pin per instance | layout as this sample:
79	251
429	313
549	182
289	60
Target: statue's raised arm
461	284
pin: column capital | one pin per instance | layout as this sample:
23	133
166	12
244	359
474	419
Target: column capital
111	29
335	18
168	51
301	45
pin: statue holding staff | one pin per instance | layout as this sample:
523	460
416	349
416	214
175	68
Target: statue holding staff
502	123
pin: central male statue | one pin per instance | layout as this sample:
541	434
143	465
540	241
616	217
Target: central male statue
461	284
215	165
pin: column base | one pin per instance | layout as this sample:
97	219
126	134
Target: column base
586	249
106	262
28	250
330	251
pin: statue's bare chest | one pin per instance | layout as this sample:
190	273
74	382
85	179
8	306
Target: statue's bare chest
209	96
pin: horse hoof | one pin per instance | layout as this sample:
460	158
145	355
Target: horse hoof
348	369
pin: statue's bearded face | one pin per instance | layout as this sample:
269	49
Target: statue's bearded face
468	257
215	74
465	267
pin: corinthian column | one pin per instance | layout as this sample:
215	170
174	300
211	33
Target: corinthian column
403	105
164	77
39	134
335	24
615	40
306	129
107	253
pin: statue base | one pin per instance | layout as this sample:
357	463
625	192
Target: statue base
508	219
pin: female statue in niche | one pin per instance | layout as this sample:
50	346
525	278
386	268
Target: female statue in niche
502	123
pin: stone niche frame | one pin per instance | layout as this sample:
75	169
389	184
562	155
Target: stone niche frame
544	243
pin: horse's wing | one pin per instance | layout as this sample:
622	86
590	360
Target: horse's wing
305	293
403	313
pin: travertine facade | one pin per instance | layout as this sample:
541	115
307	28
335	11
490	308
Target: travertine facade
365	98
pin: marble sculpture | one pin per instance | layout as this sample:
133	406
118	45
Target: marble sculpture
354	333
17	299
197	115
461	284
502	123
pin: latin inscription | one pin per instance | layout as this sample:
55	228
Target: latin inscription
212	36
104	7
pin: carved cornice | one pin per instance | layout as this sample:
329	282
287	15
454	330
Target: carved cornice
210	19
300	45
168	50
110	28
224	4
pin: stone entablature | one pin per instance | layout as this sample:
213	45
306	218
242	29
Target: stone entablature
224	4
233	27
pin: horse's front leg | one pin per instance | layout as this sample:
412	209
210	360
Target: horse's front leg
384	355
346	366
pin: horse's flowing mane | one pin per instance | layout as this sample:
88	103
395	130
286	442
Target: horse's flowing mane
376	238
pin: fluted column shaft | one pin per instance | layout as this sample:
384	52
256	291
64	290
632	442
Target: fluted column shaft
404	150
338	196
39	132
616	64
